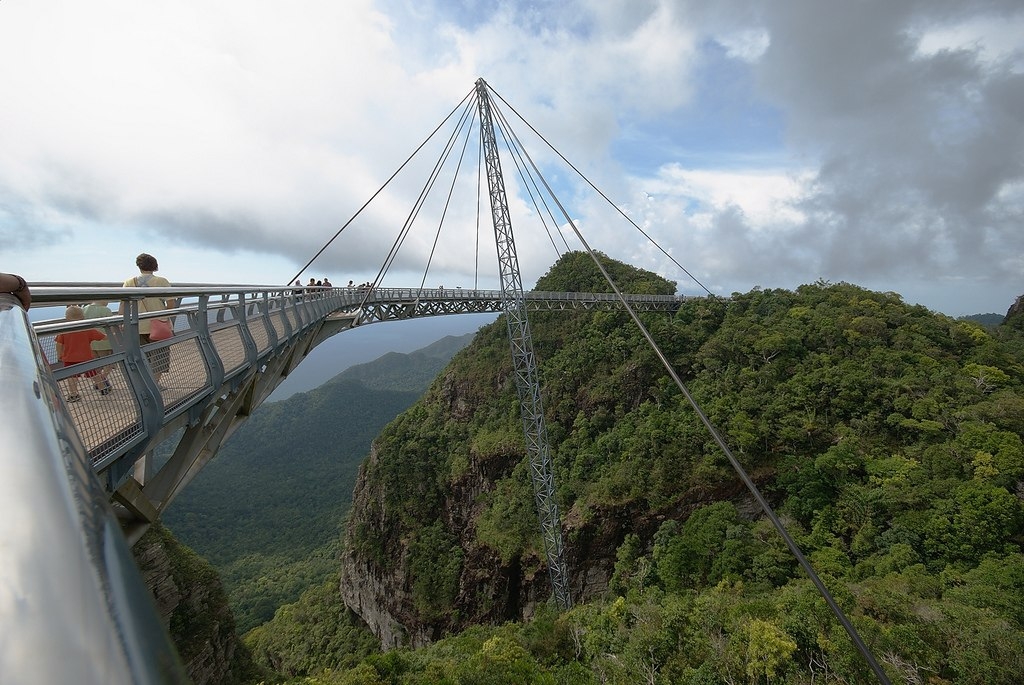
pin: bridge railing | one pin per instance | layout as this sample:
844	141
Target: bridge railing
220	334
223	335
74	607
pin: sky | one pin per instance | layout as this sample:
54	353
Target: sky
878	142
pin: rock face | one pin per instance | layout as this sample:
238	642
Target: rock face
488	591
1015	314
192	603
378	580
443	531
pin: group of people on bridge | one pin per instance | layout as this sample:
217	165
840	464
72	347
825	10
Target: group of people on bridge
75	347
326	283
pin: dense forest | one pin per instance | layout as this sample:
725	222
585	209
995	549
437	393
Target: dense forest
888	437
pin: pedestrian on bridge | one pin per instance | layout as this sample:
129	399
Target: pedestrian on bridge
74	348
100	348
159	360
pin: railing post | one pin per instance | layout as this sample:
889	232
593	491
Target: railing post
214	364
147	394
282	306
267	323
242	315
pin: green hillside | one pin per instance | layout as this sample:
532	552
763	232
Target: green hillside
266	511
985	319
889	438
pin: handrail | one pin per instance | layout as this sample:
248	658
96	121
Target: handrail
63	549
224	336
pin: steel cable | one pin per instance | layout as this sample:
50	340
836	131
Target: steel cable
716	436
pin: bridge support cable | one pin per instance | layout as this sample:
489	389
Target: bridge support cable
464	122
716	436
530	184
381	189
448	200
733	461
479	195
523	360
603	196
525	163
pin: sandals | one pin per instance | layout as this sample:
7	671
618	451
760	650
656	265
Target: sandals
73	398
105	388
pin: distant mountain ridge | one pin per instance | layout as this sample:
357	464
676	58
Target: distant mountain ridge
412	371
990	319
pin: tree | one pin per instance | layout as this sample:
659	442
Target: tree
768	649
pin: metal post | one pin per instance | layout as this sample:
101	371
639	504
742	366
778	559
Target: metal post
523	360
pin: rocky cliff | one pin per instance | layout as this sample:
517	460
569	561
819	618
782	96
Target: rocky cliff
1015	314
193	605
443	535
443	532
380	585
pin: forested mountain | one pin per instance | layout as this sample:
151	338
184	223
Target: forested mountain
888	437
266	511
413	372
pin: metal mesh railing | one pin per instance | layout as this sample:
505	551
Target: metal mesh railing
277	320
258	330
113	421
108	417
186	373
230	348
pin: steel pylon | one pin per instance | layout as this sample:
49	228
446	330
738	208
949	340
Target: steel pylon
523	360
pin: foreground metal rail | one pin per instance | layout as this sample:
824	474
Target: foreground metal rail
73	607
233	345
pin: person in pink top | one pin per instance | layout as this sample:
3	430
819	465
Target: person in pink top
159	360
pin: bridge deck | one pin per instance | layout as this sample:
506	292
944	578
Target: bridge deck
231	341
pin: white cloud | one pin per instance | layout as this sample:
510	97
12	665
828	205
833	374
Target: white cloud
995	38
884	137
766	198
747	45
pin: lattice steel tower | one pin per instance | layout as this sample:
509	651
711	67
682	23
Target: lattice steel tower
523	360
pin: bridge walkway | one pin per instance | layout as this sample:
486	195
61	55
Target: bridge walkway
233	345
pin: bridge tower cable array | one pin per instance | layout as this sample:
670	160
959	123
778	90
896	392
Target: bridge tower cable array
379	190
769	512
616	207
523	360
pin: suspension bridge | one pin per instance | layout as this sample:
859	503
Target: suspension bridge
231	348
81	474
79	480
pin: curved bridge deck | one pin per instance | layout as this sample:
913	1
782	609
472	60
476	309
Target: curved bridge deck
232	346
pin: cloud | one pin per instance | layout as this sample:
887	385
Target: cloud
250	116
878	142
917	152
914	149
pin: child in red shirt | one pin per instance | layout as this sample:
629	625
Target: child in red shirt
76	347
